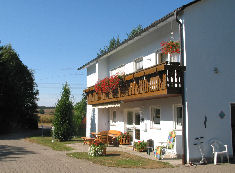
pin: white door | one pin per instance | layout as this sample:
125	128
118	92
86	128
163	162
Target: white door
133	124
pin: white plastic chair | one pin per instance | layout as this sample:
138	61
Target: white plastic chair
219	149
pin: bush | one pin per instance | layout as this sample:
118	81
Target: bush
63	129
41	111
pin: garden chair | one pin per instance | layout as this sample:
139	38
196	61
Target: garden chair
103	137
167	148
219	149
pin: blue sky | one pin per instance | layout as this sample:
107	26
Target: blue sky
55	37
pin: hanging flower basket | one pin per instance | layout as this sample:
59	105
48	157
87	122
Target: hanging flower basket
170	47
109	84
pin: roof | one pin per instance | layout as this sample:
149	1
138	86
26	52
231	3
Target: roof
154	24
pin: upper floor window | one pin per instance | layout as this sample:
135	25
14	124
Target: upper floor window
139	64
162	57
118	70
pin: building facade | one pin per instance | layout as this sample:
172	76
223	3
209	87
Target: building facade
191	92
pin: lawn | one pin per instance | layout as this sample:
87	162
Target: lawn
56	145
121	159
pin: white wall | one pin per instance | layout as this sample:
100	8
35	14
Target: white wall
209	40
157	134
144	47
92	76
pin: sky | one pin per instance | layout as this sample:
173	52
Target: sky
55	37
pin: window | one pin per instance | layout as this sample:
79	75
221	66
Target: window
137	118
114	117
129	118
119	70
178	116
155	116
162	57
139	64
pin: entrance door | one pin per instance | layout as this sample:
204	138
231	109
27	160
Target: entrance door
133	124
233	127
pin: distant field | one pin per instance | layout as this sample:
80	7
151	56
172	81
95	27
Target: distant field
46	118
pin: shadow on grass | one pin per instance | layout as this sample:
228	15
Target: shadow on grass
111	154
11	153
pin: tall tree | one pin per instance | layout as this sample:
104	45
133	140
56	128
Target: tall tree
18	93
79	114
63	120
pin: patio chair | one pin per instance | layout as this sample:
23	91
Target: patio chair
218	148
167	148
103	137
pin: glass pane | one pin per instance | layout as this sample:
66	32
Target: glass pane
179	116
156	116
163	57
129	118
114	116
137	119
137	134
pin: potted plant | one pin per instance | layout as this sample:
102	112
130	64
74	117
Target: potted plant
140	146
171	47
124	138
97	149
109	84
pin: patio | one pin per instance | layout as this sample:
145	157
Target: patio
80	147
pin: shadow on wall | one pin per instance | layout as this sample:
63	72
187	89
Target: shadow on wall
93	124
11	153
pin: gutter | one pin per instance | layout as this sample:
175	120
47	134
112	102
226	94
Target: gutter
184	161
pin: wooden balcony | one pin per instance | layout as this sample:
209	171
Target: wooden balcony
163	80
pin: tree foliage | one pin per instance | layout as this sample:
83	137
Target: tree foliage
115	42
18	93
79	114
135	32
63	120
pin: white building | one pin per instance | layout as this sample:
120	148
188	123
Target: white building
194	101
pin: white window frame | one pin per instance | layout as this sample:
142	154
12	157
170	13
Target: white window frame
176	126
152	125
141	59
175	58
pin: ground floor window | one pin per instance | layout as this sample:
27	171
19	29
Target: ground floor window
155	116
178	115
113	117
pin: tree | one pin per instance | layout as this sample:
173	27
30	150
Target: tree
18	93
135	31
41	111
79	114
113	43
63	120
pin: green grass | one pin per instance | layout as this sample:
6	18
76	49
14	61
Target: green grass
121	159
56	145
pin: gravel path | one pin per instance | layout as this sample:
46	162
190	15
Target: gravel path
18	155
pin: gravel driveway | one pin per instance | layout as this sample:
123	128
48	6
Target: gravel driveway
18	155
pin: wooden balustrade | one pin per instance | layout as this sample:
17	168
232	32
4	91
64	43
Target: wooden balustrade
161	80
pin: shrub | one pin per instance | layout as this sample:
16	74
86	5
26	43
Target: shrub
41	111
63	129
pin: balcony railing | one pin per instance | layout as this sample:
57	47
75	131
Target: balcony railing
165	79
